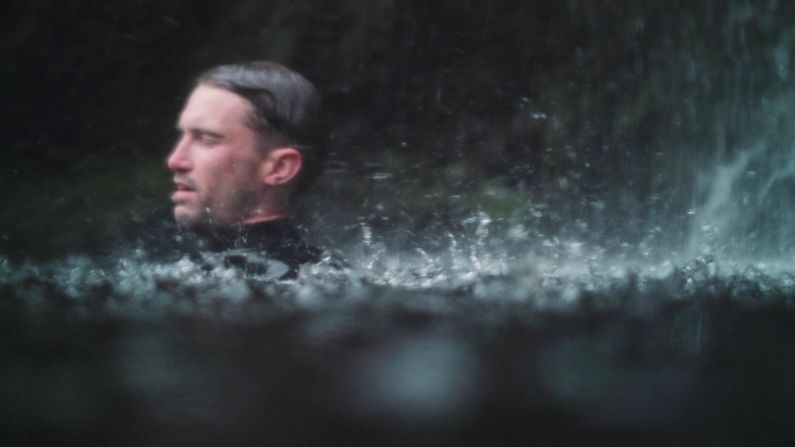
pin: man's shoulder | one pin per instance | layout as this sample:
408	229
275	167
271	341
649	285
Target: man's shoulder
281	240
273	249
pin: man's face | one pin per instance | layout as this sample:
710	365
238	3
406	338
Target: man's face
216	160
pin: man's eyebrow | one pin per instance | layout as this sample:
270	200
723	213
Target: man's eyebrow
200	130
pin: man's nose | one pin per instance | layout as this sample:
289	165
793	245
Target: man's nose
179	158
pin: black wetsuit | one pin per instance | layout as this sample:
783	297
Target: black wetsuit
270	250
274	248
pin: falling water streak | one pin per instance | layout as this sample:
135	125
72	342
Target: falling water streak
718	210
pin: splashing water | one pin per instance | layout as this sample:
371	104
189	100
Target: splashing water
419	339
747	206
493	261
403	339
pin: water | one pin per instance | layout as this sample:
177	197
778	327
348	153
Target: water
539	324
744	200
460	341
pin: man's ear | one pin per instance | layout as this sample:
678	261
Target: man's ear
280	166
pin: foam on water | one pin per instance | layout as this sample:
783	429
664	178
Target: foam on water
481	265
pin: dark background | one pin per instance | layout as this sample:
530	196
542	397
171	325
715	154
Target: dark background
599	113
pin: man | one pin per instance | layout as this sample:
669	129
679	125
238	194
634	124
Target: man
250	142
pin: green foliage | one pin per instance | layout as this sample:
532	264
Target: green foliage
79	210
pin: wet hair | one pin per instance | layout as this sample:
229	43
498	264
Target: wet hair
284	103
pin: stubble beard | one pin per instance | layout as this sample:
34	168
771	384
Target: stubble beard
230	210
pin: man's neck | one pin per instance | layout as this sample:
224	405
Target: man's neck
266	218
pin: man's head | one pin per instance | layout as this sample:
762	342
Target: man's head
250	139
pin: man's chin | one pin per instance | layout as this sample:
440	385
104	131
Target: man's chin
185	218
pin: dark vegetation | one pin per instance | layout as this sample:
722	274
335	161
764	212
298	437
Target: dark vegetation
601	108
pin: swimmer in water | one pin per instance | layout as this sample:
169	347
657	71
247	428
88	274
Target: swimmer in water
250	142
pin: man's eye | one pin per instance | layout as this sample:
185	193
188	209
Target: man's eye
208	139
